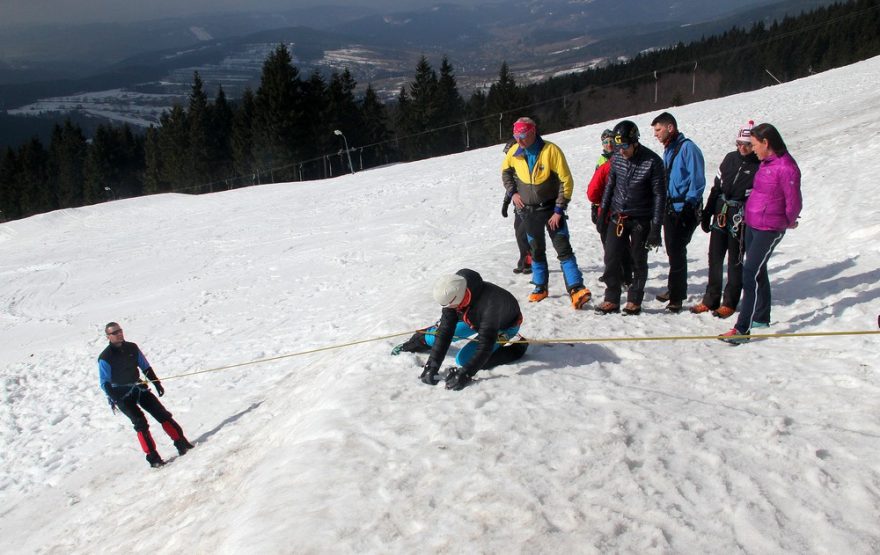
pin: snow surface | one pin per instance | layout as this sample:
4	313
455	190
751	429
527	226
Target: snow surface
690	446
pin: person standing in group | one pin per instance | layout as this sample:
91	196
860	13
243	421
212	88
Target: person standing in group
597	182
595	190
120	380
773	207
725	205
524	264
634	199
686	180
539	182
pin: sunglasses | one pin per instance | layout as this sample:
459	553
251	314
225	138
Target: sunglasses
117	332
744	144
520	136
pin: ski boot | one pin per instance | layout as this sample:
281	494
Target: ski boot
580	296
538	294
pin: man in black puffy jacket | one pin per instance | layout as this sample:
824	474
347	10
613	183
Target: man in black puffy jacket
470	306
635	202
119	375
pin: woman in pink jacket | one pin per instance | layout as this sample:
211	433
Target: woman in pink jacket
772	208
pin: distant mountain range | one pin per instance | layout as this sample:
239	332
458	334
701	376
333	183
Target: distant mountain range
60	69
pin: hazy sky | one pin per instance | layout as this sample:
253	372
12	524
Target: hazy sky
16	12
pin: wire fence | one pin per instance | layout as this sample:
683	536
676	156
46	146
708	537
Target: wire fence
388	151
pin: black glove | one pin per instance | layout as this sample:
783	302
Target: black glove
112	404
151	375
504	206
653	240
594	214
457	378
706	221
602	221
429	375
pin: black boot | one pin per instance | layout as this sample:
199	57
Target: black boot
415	344
154	459
183	446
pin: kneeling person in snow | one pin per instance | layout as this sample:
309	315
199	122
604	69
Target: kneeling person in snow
470	306
118	370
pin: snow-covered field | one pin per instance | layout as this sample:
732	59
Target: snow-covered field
690	446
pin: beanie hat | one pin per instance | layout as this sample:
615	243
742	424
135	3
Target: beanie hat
450	290
745	133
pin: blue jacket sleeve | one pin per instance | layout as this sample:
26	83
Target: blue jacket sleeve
692	158
103	373
142	361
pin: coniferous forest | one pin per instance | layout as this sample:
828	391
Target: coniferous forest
284	130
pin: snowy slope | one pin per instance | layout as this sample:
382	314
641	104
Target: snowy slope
688	446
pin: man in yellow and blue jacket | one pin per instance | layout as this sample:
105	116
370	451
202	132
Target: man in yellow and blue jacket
539	182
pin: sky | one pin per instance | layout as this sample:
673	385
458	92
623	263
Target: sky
17	12
269	313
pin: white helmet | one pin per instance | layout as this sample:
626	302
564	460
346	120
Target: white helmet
450	290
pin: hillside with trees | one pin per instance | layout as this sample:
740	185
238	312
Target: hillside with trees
285	130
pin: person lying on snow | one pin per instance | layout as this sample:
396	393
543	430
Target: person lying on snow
471	306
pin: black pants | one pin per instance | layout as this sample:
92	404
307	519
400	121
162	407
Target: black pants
602	227
678	229
629	244
522	240
722	244
129	407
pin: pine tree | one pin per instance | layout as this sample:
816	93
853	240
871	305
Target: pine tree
10	191
317	126
153	182
127	162
505	101
418	112
36	195
450	111
200	160
174	149
343	113
376	133
220	136
477	134
278	116
67	156
98	184
242	139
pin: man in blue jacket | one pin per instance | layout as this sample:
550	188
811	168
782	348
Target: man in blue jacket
686	180
118	368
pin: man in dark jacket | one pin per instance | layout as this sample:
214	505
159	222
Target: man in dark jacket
118	368
733	183
634	200
470	306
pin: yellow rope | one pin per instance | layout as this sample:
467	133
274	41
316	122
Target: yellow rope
536	341
290	355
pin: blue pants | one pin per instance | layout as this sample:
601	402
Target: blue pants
463	331
535	220
755	305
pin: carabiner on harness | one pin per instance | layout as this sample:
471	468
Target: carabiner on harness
619	229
